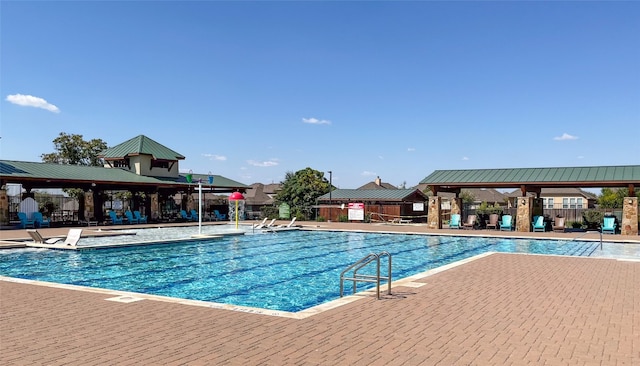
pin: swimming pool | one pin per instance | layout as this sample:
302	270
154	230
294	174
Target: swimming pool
288	271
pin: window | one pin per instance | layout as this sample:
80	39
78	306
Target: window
549	203
572	202
160	164
580	205
565	203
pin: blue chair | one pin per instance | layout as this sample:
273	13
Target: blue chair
506	223
219	216
454	223
40	221
25	222
141	219
609	225
194	215
539	224
115	219
184	215
130	218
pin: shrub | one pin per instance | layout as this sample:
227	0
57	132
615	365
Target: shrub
343	218
592	219
321	219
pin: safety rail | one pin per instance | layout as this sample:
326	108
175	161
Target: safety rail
590	232
367	278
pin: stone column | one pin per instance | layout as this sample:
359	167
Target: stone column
433	216
89	208
155	206
629	216
4	207
523	217
456	206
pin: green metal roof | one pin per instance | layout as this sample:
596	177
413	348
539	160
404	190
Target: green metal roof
596	176
51	175
371	194
141	145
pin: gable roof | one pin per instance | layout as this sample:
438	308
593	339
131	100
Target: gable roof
140	145
558	192
488	195
388	195
595	176
256	195
374	185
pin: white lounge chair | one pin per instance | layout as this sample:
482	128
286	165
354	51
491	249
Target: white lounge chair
262	225
37	238
289	224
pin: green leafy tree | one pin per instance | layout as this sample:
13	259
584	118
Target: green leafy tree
467	197
74	150
613	198
301	189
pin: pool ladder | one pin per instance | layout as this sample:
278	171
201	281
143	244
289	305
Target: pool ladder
367	278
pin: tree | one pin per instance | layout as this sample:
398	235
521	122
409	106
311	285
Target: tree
613	198
301	189
73	150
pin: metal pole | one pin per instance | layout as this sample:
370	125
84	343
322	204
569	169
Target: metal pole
330	189
200	206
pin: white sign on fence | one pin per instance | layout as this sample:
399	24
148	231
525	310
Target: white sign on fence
356	211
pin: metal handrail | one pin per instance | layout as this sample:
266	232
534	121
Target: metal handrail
590	232
367	278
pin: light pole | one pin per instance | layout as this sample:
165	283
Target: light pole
330	189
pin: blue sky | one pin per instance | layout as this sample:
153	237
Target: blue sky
252	90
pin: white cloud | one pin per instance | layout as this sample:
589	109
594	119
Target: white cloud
263	164
465	158
411	149
315	121
565	136
31	101
215	157
368	173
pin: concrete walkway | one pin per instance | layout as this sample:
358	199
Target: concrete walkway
500	309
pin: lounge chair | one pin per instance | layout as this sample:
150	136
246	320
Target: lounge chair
130	218
37	238
264	221
263	226
25	222
73	236
608	225
141	219
471	222
41	221
506	223
454	223
289	224
558	225
115	219
219	216
539	224
492	223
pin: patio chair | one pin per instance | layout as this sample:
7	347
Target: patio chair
289	224
506	223
115	220
37	238
219	216
130	218
539	224
25	222
492	223
41	221
454	223
608	225
184	215
194	215
141	219
558	225
471	222
262	226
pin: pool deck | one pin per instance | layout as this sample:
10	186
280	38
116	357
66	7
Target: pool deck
498	309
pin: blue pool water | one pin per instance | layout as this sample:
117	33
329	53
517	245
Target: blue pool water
287	271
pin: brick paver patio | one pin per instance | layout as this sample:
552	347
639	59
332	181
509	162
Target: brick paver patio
501	309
